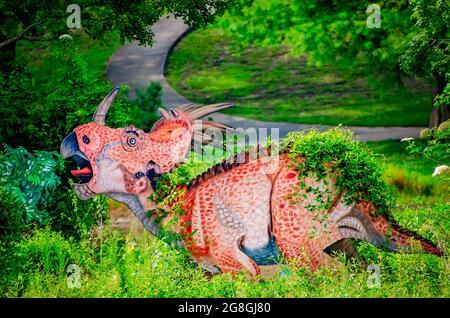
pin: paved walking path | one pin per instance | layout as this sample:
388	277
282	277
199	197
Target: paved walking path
137	65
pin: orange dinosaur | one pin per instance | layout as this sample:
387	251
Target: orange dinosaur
239	214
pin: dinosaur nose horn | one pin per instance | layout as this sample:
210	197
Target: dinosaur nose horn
103	107
69	146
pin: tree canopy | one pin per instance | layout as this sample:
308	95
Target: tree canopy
413	36
46	19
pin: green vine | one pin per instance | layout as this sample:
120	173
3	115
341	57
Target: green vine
333	153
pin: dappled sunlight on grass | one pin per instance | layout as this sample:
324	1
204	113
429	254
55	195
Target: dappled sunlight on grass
267	84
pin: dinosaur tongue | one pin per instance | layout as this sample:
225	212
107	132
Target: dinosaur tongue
87	171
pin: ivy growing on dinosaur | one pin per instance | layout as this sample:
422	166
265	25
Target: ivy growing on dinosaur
297	200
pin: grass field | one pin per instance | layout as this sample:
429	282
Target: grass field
96	53
409	174
267	84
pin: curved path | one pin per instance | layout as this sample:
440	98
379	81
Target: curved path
136	65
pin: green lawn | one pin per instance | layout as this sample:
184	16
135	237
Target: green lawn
40	57
409	174
267	84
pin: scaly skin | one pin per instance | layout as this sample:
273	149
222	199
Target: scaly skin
235	209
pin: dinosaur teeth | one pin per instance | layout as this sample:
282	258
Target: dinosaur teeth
82	191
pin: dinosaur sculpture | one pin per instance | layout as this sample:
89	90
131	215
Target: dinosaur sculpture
238	215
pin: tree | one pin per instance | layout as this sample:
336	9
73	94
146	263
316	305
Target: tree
428	53
327	30
331	31
35	20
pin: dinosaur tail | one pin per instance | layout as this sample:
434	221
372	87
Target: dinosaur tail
386	233
403	238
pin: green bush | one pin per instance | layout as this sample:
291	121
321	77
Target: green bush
39	110
37	191
12	216
354	165
74	217
145	105
31	178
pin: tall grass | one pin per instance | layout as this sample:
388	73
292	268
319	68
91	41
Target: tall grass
139	266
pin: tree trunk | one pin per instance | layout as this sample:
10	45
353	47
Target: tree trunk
439	115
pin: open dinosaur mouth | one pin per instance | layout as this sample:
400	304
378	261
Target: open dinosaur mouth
85	172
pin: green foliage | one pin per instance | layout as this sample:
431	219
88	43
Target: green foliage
269	84
31	177
146	104
74	217
428	53
137	266
38	182
443	98
353	166
12	216
42	120
46	20
435	146
326	30
40	109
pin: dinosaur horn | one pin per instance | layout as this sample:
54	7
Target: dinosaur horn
174	113
196	111
102	109
164	113
187	107
213	124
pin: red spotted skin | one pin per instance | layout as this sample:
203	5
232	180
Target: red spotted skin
230	207
227	210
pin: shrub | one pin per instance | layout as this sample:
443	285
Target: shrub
37	182
12	216
31	178
38	111
74	217
435	146
146	104
356	169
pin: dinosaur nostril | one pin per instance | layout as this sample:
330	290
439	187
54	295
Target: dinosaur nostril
139	174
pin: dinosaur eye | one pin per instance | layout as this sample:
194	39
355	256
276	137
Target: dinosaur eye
132	138
132	141
86	139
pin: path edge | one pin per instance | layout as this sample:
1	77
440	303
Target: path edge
172	48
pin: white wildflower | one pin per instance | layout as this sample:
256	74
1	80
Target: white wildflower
441	170
407	139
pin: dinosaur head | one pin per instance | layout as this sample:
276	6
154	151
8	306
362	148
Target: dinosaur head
126	161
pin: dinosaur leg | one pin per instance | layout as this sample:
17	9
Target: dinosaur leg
231	259
305	255
300	233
